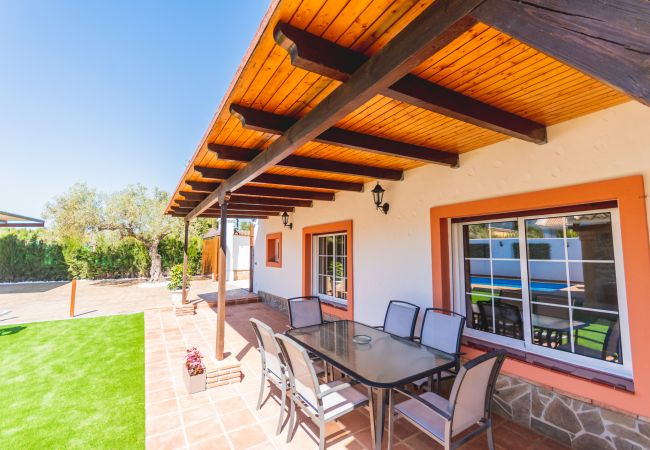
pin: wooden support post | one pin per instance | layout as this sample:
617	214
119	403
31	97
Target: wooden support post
251	264
184	295
73	294
221	308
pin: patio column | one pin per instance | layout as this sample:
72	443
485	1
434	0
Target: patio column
221	308
184	295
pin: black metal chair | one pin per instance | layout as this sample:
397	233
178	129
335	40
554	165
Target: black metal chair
400	319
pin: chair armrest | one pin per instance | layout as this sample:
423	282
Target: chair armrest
337	388
431	406
416	338
379	327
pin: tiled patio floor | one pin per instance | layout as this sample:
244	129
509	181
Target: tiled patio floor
226	418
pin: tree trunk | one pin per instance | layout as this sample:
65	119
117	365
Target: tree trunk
155	272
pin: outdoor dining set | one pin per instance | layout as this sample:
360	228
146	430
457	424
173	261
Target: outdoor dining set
320	366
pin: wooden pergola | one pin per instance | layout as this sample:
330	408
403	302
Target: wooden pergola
11	220
334	94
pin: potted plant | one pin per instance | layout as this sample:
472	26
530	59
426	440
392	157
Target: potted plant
194	373
176	283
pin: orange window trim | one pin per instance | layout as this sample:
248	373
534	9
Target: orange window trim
630	194
307	237
270	250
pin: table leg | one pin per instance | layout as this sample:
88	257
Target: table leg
381	413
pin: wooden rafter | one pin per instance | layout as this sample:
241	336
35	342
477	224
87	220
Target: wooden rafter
272	123
229	153
608	40
202	186
433	29
249	200
286	180
239	206
329	59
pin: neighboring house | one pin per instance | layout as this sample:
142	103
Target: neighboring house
515	166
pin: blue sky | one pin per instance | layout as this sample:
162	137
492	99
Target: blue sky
110	93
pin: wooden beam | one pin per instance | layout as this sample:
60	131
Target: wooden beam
438	25
286	180
217	215
234	207
608	39
249	200
192	195
202	186
228	153
272	123
286	193
242	210
326	58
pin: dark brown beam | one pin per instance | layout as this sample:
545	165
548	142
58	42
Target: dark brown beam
285	193
272	123
192	195
243	206
326	58
287	180
245	199
217	215
608	39
433	29
202	186
229	153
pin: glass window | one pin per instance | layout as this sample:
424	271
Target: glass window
331	254
560	294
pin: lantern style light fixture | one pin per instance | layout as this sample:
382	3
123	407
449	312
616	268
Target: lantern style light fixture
378	197
285	221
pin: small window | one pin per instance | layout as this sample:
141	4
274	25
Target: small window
331	267
274	250
547	284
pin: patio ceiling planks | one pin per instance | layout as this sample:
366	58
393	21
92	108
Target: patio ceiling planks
302	115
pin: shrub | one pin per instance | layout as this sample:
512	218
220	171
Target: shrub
176	277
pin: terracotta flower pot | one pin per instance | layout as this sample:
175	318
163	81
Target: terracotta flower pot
195	383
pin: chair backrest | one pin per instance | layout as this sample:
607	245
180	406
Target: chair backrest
471	395
508	313
612	343
302	376
400	318
268	347
485	313
305	311
442	329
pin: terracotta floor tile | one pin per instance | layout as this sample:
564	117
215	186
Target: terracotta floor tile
237	419
165	393
197	414
205	429
215	443
166	441
230	404
162	424
247	437
161	408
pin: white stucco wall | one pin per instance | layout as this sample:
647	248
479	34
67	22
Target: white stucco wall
392	253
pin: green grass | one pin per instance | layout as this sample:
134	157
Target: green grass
73	384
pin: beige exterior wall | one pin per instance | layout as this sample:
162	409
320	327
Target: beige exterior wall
392	257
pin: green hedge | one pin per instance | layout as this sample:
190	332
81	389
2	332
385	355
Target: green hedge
26	256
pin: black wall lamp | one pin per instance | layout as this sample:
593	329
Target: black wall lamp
285	221
378	197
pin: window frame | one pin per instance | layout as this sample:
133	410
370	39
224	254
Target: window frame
315	273
274	248
457	285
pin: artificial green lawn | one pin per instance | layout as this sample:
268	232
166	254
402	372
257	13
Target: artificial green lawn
73	384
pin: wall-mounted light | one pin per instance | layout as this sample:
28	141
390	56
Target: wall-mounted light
285	221
378	197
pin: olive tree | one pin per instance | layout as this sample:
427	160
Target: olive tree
135	211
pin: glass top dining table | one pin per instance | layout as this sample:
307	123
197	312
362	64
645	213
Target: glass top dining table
386	361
